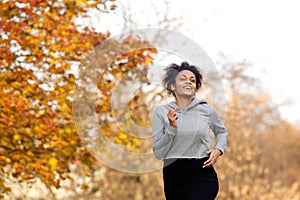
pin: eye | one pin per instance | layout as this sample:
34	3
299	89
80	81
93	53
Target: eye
193	81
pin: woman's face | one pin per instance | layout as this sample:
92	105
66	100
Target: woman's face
185	84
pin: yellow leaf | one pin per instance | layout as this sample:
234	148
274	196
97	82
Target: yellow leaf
41	112
12	105
29	153
68	130
122	136
26	176
61	131
53	163
127	116
16	136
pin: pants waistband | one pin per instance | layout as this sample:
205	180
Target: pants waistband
169	161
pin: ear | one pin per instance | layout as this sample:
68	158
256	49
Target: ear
172	87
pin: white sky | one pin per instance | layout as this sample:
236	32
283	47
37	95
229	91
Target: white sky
264	32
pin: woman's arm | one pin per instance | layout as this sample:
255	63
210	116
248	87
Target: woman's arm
221	134
162	134
219	131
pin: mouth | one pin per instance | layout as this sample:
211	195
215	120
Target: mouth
187	87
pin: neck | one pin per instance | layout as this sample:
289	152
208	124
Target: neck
183	102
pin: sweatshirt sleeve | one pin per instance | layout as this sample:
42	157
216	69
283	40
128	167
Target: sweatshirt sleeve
219	130
162	134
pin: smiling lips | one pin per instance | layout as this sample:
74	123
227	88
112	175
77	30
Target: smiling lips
187	87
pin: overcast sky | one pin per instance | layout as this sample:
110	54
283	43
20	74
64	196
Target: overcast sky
265	32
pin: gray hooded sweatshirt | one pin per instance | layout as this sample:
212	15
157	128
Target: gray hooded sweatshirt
191	138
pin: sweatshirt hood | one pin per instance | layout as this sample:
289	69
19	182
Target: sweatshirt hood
194	103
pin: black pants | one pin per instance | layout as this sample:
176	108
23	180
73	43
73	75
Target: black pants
185	179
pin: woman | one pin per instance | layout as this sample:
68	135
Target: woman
181	138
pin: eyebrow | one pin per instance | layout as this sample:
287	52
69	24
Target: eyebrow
186	76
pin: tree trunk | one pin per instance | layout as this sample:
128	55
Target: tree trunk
139	187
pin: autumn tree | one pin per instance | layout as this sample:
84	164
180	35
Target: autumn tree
41	46
254	166
279	144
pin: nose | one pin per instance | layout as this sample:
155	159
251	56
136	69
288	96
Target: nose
188	81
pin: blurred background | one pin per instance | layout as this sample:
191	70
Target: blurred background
50	146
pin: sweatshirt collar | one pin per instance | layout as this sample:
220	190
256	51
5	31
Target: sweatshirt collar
195	101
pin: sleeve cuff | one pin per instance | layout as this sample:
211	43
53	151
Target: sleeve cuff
171	130
220	149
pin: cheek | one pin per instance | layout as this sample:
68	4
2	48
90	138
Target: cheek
179	83
194	86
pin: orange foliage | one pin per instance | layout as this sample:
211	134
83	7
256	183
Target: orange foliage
260	143
39	43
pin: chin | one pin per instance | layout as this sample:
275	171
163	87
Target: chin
188	95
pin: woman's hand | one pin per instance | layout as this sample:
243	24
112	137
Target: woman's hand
172	116
213	157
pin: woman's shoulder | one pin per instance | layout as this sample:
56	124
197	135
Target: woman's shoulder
211	110
205	106
161	108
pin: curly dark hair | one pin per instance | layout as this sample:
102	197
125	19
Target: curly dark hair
173	70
